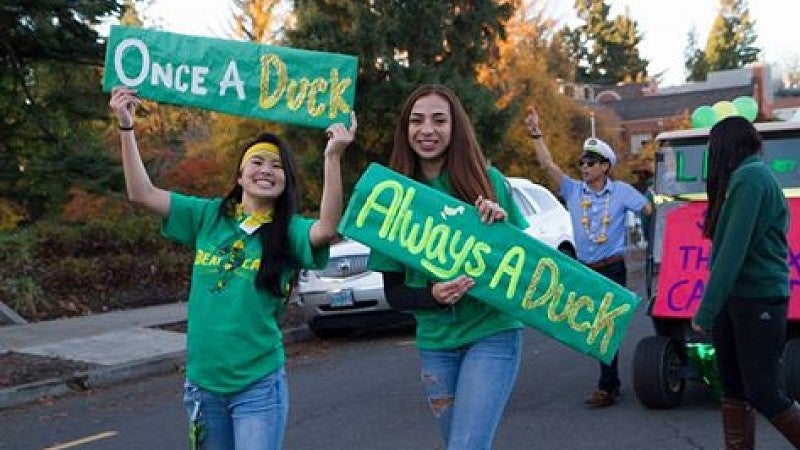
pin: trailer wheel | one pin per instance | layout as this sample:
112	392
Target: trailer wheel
791	366
657	368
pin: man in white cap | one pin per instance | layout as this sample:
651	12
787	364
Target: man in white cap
597	206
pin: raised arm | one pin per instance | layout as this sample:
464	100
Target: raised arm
330	210
542	152
140	189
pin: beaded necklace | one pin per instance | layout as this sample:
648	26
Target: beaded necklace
605	220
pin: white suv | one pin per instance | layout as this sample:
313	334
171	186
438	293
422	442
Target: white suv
346	296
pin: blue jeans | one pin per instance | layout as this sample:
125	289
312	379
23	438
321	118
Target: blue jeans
468	387
253	419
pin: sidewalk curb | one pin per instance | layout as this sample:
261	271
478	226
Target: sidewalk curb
109	375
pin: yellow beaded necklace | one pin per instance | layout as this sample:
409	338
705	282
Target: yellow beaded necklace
605	220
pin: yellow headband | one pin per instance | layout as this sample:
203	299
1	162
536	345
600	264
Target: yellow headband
260	149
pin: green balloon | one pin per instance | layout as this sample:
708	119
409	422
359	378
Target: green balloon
703	117
746	107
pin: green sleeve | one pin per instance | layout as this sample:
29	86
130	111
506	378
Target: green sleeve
729	250
185	217
307	256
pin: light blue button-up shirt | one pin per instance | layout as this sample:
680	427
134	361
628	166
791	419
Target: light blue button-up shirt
621	197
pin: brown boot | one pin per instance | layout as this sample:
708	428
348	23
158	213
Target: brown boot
788	423
738	424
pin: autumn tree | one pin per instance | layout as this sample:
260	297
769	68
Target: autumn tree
730	43
258	20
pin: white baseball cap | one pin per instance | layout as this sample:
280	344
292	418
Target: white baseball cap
594	145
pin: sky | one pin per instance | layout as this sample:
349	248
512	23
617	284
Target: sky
664	24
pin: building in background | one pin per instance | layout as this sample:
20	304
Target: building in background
642	110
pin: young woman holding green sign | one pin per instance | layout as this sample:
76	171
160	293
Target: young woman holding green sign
248	245
470	351
746	299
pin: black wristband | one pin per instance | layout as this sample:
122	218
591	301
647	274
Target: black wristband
128	128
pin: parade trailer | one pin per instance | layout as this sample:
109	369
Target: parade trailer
678	257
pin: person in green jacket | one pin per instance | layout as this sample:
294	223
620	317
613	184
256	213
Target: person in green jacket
248	245
470	351
745	303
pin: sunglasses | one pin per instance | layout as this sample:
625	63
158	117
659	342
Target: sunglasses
588	162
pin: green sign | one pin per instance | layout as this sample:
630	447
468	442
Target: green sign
235	77
545	289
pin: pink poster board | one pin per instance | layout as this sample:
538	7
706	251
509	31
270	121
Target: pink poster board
686	255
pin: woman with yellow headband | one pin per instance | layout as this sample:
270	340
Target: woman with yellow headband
248	246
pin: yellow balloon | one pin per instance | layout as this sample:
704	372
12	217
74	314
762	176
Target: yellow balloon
724	109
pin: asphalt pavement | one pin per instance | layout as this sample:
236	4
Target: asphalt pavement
123	345
118	346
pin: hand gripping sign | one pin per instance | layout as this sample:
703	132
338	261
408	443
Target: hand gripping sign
241	78
514	272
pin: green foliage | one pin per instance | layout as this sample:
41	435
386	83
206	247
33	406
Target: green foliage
730	43
605	51
50	268
50	101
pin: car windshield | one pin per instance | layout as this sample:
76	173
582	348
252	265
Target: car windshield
681	164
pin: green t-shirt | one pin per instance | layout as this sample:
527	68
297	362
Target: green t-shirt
233	337
470	319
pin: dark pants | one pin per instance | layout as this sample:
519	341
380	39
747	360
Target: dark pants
748	335
609	373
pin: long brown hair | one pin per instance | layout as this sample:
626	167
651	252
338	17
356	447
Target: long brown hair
275	255
730	142
464	163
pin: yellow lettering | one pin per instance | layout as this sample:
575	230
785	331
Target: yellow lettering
318	85
417	248
458	257
475	270
336	102
582	302
554	289
296	93
437	243
553	316
371	204
513	270
604	320
200	257
266	99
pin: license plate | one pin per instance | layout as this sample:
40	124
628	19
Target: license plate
341	299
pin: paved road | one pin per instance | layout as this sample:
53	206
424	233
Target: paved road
364	393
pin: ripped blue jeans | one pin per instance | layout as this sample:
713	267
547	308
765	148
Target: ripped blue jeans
254	418
468	388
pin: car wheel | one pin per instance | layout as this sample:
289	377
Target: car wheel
657	369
